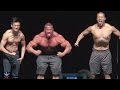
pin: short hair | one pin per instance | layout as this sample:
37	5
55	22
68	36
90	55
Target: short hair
14	19
48	24
101	13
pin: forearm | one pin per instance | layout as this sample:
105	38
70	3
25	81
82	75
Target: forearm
67	50
30	49
4	50
23	49
80	37
118	35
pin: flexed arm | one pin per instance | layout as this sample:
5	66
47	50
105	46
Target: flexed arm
3	43
23	48
116	32
32	44
81	36
65	44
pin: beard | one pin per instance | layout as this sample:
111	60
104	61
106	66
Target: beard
48	35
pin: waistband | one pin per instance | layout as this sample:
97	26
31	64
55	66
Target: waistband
101	50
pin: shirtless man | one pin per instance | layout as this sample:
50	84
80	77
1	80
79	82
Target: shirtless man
9	46
49	43
101	54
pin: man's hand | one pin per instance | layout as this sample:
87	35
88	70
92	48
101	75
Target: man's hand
60	54
13	53
37	52
20	59
76	44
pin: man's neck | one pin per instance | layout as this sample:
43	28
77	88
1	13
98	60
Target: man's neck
101	26
15	33
49	38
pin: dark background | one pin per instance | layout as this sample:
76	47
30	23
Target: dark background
69	24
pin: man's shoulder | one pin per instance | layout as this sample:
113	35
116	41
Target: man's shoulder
93	26
7	32
21	33
55	34
41	34
108	25
59	36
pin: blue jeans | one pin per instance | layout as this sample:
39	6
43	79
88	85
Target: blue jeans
11	65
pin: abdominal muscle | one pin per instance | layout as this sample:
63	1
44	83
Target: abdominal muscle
101	44
11	48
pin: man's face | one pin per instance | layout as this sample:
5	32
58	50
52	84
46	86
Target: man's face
48	31
101	18
15	26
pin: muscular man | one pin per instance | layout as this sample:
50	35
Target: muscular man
101	55
9	46
49	42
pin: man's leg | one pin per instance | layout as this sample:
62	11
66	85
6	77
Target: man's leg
107	76
7	68
55	64
15	66
15	69
41	66
94	63
107	64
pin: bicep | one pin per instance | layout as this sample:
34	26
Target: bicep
86	31
32	44
116	31
23	41
63	42
4	40
35	41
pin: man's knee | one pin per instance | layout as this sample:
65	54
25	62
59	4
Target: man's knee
41	70
16	64
56	76
40	76
56	71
